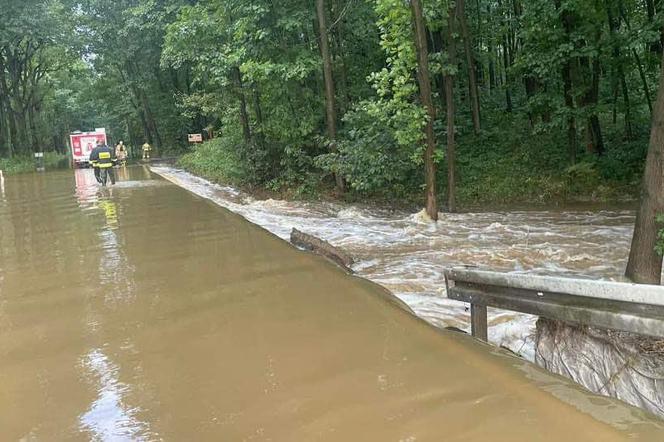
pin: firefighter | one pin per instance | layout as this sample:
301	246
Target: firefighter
103	157
146	151
121	153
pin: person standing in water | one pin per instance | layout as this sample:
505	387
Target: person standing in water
121	153
146	151
103	157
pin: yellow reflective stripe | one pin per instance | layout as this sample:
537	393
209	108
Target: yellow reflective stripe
105	165
104	156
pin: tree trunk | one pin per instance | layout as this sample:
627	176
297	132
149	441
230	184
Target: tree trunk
507	59
629	133
330	102
142	104
258	110
146	129
449	98
614	102
22	126
2	133
4	130
339	53
644	81
567	21
152	124
569	103
425	97
595	141
493	84
506	63
437	46
531	85
244	115
34	142
614	24
470	64
479	43
5	111
645	265
655	47
639	64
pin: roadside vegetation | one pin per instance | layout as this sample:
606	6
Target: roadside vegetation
440	102
555	108
23	164
499	166
550	101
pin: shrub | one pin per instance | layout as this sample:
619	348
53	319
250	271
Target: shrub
372	155
23	163
217	160
582	178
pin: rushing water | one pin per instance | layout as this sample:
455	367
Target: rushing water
142	312
407	254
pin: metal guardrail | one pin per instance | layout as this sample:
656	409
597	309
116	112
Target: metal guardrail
635	308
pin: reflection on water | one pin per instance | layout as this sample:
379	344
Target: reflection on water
407	254
108	418
141	312
110	211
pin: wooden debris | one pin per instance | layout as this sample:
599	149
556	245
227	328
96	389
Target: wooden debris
323	248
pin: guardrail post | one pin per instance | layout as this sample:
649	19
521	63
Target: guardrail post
39	161
634	308
478	322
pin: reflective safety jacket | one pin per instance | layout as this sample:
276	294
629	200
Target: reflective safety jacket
102	157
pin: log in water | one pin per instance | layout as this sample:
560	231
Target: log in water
323	248
143	312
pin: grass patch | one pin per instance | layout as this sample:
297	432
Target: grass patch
25	164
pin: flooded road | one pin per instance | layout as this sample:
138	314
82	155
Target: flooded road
143	312
407	254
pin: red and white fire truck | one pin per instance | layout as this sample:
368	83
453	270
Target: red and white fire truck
82	143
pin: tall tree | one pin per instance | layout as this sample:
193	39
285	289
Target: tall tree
470	65
449	100
568	25
507	56
330	99
425	96
618	70
645	264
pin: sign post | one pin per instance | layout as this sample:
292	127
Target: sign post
195	138
39	162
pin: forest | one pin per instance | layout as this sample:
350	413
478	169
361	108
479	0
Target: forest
432	101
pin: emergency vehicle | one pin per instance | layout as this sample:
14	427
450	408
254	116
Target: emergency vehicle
82	144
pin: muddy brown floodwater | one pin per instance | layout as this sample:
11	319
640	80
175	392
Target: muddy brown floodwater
143	312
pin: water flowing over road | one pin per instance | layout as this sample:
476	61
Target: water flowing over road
407	254
143	312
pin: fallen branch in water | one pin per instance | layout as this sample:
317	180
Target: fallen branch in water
322	247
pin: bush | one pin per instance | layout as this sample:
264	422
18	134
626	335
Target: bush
624	162
23	164
217	160
379	153
582	178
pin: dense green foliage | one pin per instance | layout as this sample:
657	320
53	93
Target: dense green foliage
565	89
218	160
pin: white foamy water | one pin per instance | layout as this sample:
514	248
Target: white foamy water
407	254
